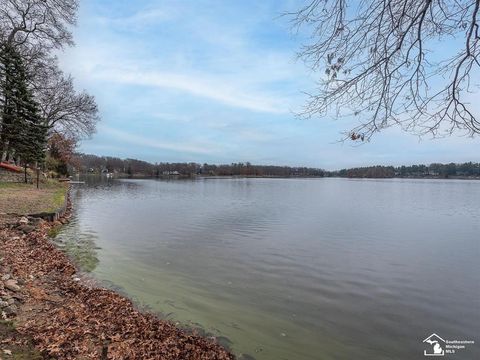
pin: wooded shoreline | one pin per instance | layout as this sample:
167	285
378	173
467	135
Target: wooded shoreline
207	177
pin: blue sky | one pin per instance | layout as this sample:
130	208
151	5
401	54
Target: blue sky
217	82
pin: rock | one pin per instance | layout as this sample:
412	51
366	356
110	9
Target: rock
35	220
12	285
23	220
7	352
5	277
10	310
224	341
17	296
11	301
26	228
3	304
20	282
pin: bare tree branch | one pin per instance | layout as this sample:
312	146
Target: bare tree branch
44	22
72	114
379	64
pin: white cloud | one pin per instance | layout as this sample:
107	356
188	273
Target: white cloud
217	60
137	140
207	87
138	20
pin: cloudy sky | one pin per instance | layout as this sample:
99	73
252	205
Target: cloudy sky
218	82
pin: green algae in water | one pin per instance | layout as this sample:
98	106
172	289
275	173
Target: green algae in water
83	253
247	333
79	245
54	231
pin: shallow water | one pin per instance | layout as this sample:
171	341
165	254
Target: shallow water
292	268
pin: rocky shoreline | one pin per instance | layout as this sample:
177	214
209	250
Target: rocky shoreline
63	317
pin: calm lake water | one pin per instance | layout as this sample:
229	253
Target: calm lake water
292	268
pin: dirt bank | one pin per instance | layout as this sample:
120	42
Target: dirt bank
62	317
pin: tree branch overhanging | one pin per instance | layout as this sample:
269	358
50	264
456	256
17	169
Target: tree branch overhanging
379	64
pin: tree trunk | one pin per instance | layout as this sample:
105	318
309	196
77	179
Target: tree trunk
4	150
25	172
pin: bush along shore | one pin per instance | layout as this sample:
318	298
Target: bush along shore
49	312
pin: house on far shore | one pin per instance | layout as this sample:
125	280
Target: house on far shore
171	173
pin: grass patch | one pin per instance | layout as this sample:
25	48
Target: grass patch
6	327
23	199
58	198
10	185
25	352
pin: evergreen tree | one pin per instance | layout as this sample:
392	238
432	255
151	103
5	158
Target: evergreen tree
9	75
23	134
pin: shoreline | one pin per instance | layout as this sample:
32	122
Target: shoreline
61	316
229	177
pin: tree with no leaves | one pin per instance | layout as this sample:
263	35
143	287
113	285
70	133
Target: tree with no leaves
380	65
40	22
65	111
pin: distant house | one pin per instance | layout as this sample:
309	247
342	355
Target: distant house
170	173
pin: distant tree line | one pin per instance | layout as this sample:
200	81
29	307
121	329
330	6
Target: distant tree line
366	172
88	163
98	164
469	169
42	116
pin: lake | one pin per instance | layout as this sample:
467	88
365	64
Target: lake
291	268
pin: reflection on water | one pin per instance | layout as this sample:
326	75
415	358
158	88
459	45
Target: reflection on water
292	269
